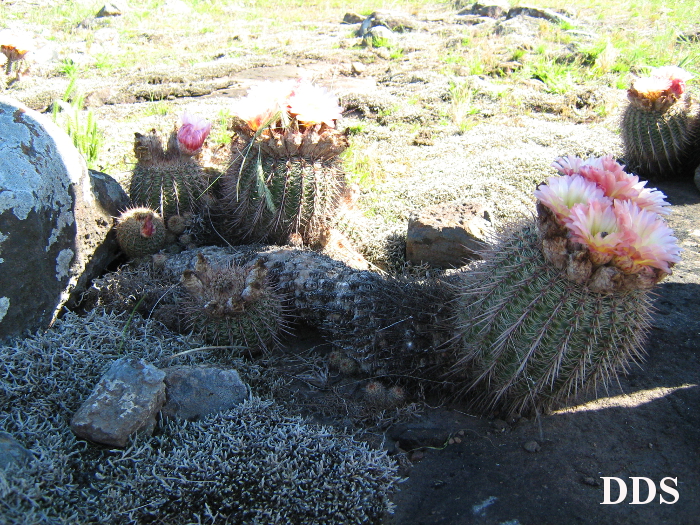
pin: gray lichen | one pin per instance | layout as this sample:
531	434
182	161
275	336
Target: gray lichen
253	464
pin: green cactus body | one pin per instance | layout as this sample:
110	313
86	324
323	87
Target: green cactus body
140	232
281	184
531	336
659	143
232	306
166	180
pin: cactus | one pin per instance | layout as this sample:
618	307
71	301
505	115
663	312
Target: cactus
230	306
383	326
169	179
140	232
661	125
563	303
285	177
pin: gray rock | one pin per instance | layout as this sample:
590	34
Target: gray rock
697	178
125	401
532	446
491	9
547	14
398	22
380	33
447	235
194	392
12	452
109	10
54	220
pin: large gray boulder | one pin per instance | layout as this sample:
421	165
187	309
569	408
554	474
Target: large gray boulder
55	218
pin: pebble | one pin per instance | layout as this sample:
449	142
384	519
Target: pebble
532	446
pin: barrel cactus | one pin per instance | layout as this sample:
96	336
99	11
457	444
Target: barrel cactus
285	177
168	178
233	305
563	302
140	232
661	125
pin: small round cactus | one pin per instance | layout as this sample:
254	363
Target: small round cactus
140	232
285	177
169	179
563	303
232	306
661	125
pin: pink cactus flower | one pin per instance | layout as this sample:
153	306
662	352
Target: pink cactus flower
610	176
192	133
648	241
265	104
675	75
569	165
650	199
560	194
595	225
312	104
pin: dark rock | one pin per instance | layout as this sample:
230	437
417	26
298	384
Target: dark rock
446	235
352	18
411	437
194	392
54	222
109	10
493	9
697	178
125	401
12	452
532	446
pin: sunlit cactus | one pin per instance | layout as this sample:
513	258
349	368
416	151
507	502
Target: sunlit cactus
169	178
285	177
661	125
562	303
140	232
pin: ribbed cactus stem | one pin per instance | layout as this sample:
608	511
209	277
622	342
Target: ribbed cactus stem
659	140
282	183
532	335
166	179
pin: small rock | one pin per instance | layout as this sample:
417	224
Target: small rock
532	446
12	452
492	9
352	18
546	14
499	425
446	235
590	481
380	33
109	10
357	68
125	401
194	392
398	22
417	455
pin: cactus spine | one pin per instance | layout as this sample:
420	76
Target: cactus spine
661	125
169	179
531	336
140	232
285	177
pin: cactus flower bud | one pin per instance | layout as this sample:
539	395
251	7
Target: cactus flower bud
192	134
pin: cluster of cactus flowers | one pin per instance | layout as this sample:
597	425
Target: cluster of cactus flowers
285	179
563	303
661	125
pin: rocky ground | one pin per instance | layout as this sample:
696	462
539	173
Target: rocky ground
428	129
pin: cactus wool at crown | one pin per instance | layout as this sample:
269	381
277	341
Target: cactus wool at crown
563	303
285	176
